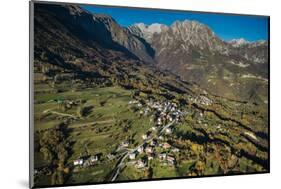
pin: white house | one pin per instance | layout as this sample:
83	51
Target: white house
133	102
168	131
162	156
140	149
144	136
175	150
78	162
132	156
94	159
170	119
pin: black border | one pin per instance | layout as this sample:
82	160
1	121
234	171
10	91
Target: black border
31	126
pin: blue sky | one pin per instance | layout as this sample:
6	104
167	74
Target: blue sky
227	27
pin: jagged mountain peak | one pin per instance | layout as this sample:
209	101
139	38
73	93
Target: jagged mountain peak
157	28
238	42
187	22
147	31
140	25
154	27
260	43
191	26
188	34
243	42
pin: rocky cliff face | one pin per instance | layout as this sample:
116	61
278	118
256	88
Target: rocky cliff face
189	49
256	52
101	29
107	25
187	36
87	67
193	51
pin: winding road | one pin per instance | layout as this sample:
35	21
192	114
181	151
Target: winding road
59	113
122	159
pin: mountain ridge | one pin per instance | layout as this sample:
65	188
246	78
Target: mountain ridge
100	95
187	48
193	51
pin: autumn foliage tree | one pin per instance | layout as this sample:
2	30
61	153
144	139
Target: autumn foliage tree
54	146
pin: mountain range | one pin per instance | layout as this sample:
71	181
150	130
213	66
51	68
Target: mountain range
236	69
103	90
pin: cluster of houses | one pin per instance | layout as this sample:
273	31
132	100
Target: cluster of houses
167	159
147	152
86	162
164	112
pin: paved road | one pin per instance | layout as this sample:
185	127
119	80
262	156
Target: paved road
121	162
126	154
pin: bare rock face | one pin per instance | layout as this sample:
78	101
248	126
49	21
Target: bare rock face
187	36
83	59
186	39
192	51
257	52
188	49
193	33
107	25
102	29
238	42
147	31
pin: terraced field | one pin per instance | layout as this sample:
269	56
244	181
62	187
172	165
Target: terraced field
223	137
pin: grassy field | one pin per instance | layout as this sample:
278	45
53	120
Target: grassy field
109	120
101	131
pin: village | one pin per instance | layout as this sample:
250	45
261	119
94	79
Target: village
162	140
163	116
155	145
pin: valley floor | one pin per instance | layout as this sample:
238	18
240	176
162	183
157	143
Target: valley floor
106	134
